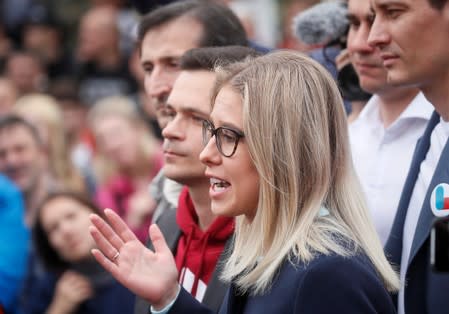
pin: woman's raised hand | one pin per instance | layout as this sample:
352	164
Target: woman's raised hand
151	275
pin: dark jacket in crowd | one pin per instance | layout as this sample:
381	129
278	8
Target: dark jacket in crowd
110	297
426	290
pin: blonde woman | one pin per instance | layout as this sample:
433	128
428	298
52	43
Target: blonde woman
127	158
43	111
278	160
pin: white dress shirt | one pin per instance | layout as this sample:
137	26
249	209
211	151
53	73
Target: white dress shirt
382	156
438	139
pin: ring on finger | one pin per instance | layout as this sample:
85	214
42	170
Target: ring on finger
117	254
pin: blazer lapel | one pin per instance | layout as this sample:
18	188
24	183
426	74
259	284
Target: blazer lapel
393	247
216	289
426	217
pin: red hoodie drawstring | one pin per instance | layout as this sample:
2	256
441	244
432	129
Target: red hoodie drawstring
198	250
184	256
201	267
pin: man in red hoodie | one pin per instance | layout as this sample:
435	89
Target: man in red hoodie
196	237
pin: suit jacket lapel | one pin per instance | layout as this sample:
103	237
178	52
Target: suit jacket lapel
393	247
216	289
426	217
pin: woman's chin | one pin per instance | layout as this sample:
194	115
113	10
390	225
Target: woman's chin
220	210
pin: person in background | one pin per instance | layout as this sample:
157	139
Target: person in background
128	157
78	137
13	256
23	159
409	34
346	74
143	102
101	67
45	36
5	44
43	111
126	21
289	10
324	28
300	212
384	135
74	282
26	71
8	96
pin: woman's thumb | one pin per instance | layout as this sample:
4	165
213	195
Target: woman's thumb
160	246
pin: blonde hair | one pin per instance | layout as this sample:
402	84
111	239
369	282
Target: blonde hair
296	132
44	112
123	107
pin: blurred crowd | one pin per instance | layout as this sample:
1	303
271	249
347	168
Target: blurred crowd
84	109
76	120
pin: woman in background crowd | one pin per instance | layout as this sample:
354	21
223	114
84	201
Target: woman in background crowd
43	111
128	157
74	282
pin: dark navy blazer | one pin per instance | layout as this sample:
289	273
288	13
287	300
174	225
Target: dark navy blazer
328	284
425	290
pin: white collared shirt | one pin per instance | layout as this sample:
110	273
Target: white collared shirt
382	156
438	140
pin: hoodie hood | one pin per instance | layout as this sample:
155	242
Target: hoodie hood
198	250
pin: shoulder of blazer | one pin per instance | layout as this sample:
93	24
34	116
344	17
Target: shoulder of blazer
330	281
216	288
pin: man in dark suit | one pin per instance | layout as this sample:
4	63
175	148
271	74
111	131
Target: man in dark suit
412	36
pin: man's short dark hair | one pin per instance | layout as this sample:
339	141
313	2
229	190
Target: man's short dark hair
10	121
221	27
208	58
437	4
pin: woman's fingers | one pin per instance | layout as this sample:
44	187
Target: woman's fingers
160	246
106	263
119	226
108	233
106	248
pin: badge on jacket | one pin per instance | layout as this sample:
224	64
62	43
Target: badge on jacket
439	200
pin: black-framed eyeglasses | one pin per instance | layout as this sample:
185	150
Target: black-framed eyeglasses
226	138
